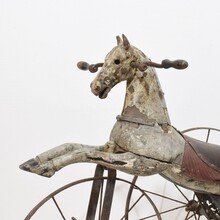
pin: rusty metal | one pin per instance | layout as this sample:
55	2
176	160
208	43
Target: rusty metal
109	192
200	128
138	121
129	197
97	184
208	207
95	194
58	207
112	178
177	64
50	196
170	210
208	134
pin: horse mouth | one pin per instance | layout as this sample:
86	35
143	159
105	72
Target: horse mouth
104	93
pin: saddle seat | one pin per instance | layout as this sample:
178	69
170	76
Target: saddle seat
201	160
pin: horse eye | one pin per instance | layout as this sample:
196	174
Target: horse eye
117	61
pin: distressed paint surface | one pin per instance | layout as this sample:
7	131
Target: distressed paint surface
150	141
145	95
142	141
176	175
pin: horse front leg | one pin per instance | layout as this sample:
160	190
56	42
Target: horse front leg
109	155
47	163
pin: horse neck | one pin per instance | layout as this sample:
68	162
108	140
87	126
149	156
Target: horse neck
144	100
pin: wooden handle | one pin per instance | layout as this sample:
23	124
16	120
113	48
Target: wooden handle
83	65
91	67
177	64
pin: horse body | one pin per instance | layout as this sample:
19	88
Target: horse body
142	141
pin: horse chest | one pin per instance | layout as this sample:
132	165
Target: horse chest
149	141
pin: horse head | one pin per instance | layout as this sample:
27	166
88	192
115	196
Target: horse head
115	69
122	63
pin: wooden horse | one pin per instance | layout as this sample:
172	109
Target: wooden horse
143	141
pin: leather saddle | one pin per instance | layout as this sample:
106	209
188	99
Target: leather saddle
201	160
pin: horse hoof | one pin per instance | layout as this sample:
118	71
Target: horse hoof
29	165
34	166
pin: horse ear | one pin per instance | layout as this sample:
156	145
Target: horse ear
125	42
119	40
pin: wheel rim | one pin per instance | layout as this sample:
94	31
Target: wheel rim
52	196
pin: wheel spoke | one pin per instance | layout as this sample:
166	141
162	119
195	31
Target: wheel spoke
194	196
134	204
191	216
187	215
165	197
181	192
195	216
162	201
207	137
56	204
169	210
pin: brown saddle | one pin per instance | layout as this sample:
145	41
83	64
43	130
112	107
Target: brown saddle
201	160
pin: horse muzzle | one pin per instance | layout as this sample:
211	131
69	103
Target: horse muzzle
100	90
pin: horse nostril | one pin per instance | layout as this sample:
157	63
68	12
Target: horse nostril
96	87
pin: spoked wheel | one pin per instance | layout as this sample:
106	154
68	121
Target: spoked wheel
178	203
104	189
105	197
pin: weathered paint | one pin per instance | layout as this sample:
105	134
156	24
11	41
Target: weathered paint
142	142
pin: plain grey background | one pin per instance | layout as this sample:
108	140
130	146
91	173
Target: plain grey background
46	101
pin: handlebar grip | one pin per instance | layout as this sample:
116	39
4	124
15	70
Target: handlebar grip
177	64
91	67
83	65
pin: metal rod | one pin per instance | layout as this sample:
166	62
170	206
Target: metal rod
199	128
129	197
181	192
134	204
101	199
170	210
58	208
109	192
94	196
165	197
207	138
